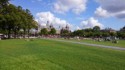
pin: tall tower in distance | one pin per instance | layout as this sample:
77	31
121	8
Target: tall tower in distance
47	24
67	27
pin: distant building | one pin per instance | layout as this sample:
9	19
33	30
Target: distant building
66	28
49	26
110	30
58	32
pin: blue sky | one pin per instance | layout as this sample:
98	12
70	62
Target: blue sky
77	14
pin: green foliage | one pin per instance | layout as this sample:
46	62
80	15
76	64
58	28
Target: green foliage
95	32
79	33
13	19
96	28
121	34
122	29
65	32
3	3
105	34
52	31
44	31
113	34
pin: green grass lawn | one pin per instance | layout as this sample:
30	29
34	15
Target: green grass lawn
121	43
42	54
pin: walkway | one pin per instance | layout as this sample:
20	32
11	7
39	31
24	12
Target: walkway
94	45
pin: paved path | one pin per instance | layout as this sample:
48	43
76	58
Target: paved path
94	45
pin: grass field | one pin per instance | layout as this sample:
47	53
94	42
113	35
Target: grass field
121	43
52	55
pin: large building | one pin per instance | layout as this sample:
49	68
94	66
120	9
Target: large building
49	26
110	30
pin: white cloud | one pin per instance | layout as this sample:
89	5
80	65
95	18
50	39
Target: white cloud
78	28
76	6
90	23
100	12
112	5
114	8
44	17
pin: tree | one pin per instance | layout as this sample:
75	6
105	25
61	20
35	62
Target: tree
121	33
79	33
3	3
10	18
113	34
44	31
65	32
96	28
52	31
122	29
97	34
105	34
13	19
3	8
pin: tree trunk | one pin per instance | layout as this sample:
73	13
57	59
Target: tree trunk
15	33
9	31
28	32
24	33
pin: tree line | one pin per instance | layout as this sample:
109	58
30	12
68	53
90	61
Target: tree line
44	31
96	32
15	20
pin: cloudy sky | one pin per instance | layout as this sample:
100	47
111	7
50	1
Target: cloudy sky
78	14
